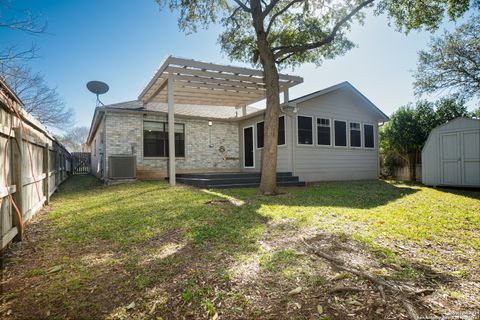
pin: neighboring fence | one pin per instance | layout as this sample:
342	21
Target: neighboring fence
81	163
403	173
399	169
30	172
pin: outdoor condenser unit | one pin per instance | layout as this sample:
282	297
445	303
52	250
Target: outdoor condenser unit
122	167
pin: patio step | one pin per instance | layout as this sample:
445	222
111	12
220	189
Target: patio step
234	180
227	175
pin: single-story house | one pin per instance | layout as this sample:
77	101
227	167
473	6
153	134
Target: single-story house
204	110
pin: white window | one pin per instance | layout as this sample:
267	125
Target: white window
355	135
368	136
281	132
340	133
260	132
323	132
305	130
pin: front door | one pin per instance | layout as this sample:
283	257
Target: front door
450	159
248	155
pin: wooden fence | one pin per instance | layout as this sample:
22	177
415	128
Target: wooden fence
81	163
30	172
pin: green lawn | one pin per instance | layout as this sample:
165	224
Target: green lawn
145	250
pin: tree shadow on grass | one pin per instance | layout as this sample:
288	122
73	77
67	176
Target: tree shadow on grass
180	253
347	194
473	193
108	255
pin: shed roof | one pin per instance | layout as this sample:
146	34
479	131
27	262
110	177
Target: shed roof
202	83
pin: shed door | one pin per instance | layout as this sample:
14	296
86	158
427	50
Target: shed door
450	159
471	157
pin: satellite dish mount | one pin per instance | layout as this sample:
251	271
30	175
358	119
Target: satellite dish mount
98	88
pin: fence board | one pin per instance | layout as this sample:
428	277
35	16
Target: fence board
49	163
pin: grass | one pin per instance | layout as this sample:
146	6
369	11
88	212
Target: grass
177	252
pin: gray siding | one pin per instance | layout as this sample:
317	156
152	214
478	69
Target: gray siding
318	163
284	151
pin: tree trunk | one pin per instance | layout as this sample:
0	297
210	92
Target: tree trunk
268	182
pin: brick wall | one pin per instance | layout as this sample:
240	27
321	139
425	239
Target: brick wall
124	135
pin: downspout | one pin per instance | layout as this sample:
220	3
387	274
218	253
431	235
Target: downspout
294	130
291	114
104	164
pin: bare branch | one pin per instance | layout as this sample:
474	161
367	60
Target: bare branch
282	50
12	55
39	99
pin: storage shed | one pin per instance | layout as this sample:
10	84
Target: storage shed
451	155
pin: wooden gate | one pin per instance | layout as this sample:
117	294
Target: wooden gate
81	163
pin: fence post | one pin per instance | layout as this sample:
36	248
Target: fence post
46	169
17	157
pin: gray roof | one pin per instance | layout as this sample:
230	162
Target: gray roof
202	111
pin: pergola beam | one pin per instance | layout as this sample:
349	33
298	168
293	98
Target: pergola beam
171	132
194	75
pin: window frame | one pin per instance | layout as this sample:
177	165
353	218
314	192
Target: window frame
347	138
331	132
165	122
243	146
284	133
256	134
349	135
284	130
313	131
373	133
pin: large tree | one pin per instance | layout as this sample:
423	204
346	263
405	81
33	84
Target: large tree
452	63
283	33
39	99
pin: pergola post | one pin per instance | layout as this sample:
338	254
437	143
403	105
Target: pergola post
171	132
285	97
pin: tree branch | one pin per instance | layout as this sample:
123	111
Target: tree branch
269	8
243	6
326	40
232	16
279	13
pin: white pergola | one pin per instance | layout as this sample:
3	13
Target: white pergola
185	81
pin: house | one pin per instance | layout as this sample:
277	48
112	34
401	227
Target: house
204	110
451	155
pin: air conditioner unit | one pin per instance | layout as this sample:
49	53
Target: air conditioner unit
122	167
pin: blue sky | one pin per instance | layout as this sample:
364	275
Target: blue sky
123	43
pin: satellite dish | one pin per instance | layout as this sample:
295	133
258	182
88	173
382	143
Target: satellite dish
98	88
